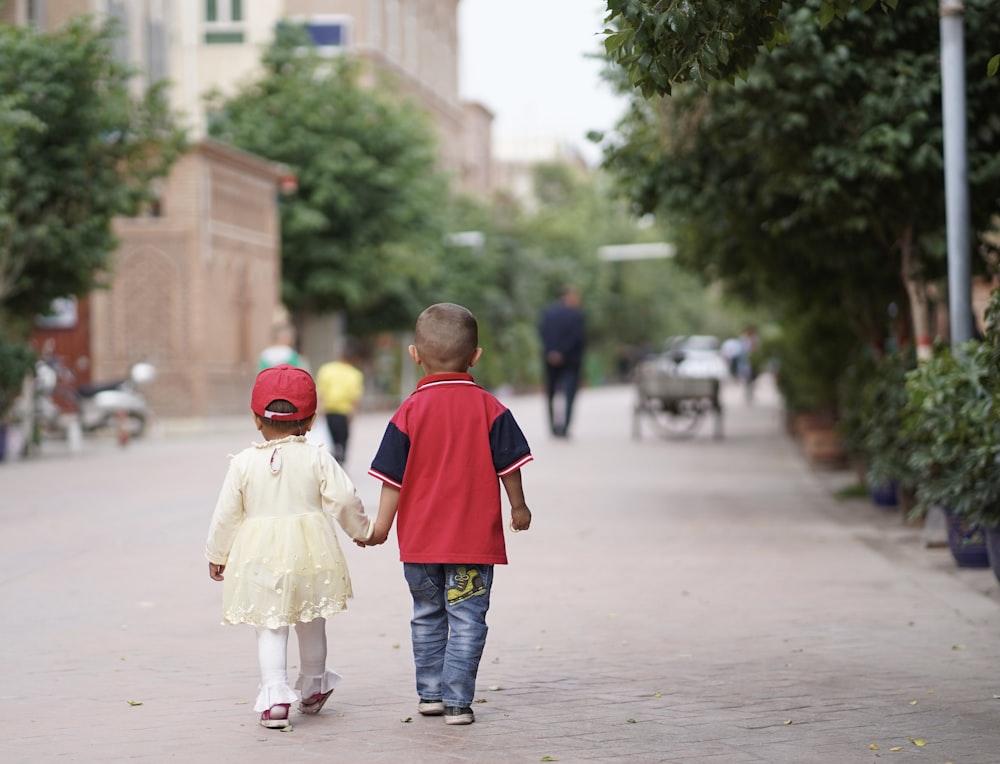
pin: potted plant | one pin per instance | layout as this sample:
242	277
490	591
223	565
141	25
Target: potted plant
883	400
16	362
811	354
952	422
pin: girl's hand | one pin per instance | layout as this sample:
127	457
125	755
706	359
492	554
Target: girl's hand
215	571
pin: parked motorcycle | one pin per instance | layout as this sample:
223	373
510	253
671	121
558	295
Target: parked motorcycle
63	409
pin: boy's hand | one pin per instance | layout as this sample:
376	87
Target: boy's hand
520	518
215	571
378	537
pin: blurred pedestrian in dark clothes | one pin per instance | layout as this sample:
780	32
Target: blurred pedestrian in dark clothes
562	331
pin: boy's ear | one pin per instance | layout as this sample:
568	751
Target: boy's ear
414	355
475	357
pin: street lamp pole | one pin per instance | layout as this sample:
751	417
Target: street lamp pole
956	169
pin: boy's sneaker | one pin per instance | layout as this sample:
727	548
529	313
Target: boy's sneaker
458	715
430	707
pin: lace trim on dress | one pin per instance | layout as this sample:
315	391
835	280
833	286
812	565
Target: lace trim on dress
307	611
280	441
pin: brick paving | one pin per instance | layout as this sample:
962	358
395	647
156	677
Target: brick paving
688	602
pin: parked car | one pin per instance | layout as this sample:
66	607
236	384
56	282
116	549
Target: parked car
698	355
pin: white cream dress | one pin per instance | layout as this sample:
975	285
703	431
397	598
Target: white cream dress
273	530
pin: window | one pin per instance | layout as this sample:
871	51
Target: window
224	21
35	12
329	33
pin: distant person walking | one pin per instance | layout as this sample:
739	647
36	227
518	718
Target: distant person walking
281	350
273	537
442	459
562	332
747	364
340	385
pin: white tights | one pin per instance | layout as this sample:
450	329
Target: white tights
272	652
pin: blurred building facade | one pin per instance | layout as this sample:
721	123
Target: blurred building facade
197	279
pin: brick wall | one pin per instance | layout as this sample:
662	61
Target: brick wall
194	289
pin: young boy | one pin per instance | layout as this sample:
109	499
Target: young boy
439	461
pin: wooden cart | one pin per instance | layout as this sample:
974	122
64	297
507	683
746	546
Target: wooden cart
674	404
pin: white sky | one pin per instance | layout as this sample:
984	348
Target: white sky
525	61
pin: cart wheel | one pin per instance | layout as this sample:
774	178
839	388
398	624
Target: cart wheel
675	419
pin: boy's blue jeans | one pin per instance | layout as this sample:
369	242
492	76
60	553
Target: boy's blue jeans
448	628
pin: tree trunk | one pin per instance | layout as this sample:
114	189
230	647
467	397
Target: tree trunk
916	289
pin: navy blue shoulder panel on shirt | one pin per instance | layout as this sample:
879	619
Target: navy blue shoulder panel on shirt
390	459
507	442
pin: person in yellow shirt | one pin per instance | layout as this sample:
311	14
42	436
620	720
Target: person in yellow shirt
340	385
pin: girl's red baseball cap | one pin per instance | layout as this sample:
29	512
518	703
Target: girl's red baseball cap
287	383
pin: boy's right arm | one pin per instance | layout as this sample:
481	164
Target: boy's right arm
388	503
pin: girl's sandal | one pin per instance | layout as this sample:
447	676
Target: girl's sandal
314	703
276	716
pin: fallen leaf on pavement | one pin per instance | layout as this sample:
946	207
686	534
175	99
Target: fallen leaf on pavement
919	742
135	702
630	721
896	748
873	747
496	687
787	721
548	758
407	720
660	695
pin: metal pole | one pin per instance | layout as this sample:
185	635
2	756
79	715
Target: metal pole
956	169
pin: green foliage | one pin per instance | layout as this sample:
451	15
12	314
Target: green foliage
952	421
811	352
803	186
531	251
16	362
363	232
661	44
883	401
76	150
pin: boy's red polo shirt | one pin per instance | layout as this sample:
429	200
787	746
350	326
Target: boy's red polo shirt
445	448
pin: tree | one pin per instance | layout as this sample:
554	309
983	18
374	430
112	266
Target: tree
818	180
661	44
532	249
361	233
76	150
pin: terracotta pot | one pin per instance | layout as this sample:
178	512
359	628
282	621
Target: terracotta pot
807	421
824	448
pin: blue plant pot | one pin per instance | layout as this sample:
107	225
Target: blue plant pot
993	549
884	494
967	543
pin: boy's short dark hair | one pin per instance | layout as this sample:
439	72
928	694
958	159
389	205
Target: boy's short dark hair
447	335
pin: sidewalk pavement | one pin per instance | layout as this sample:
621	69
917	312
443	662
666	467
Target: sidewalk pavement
688	602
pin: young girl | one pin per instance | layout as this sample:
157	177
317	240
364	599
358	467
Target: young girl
273	536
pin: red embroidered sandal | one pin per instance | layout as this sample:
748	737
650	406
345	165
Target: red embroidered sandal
276	716
314	703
